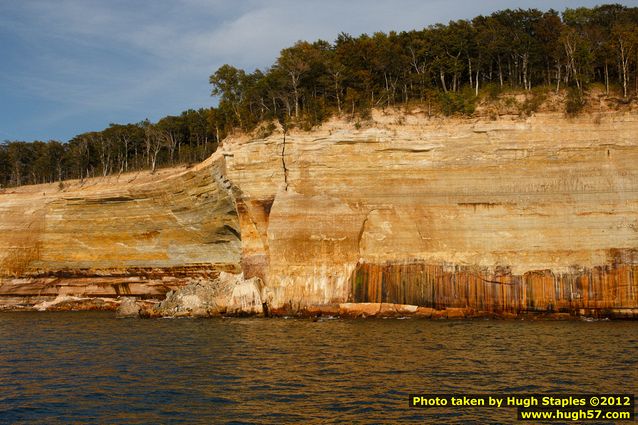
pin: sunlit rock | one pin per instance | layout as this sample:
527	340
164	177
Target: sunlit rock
128	308
456	217
228	294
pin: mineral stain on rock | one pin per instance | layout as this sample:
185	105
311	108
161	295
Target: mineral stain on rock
428	217
606	290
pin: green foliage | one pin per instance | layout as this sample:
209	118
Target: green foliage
493	91
441	67
533	101
189	137
462	103
266	130
508	50
574	101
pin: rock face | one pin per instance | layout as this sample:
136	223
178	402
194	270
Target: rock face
135	236
466	216
128	308
228	294
508	215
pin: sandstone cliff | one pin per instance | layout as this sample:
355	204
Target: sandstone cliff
508	215
136	235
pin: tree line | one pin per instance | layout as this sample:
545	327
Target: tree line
445	65
186	138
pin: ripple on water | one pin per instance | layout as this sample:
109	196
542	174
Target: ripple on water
92	368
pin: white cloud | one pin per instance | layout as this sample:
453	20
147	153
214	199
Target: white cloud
128	59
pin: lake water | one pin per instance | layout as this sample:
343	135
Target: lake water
93	368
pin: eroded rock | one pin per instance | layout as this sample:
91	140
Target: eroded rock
72	303
128	308
229	294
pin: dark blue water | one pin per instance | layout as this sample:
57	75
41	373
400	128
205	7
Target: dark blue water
93	368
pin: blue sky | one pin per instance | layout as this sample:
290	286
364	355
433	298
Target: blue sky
70	66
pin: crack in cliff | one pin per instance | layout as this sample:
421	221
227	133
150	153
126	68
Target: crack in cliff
243	206
234	193
283	161
224	183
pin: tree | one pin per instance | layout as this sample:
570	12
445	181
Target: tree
172	131
227	83
5	164
154	141
20	156
624	40
199	132
295	62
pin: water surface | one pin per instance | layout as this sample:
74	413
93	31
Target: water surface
93	368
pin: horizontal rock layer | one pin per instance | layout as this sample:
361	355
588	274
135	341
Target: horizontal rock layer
114	237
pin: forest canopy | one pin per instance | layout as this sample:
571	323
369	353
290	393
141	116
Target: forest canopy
450	65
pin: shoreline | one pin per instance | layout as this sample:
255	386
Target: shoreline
148	309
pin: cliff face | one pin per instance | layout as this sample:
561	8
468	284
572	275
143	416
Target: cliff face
501	216
134	235
506	215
